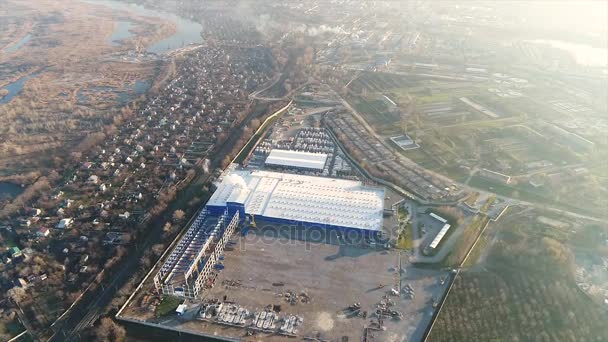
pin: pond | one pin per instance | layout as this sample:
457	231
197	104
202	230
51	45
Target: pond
141	87
14	88
9	190
121	32
123	95
188	31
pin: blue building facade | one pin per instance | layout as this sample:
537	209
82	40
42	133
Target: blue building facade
234	207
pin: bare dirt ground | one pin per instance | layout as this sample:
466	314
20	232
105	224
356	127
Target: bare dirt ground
332	275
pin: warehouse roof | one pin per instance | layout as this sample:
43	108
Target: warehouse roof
308	199
306	160
440	235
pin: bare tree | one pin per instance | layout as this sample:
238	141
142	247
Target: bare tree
110	331
16	294
178	215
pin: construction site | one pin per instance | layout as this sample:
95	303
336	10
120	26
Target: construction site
279	281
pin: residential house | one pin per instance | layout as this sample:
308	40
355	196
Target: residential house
65	223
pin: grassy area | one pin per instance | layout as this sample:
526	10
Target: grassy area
488	204
537	195
476	252
537	147
167	305
524	192
439	97
420	157
525	292
455	172
470	234
405	239
472	199
10	329
377	115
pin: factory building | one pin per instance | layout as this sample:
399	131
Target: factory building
296	160
301	200
444	230
267	196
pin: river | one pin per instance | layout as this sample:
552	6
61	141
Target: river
188	31
121	32
19	44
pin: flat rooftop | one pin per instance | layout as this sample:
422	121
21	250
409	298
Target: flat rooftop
309	199
307	160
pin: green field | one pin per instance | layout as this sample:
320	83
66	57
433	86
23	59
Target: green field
464	244
376	114
420	157
167	305
405	239
565	200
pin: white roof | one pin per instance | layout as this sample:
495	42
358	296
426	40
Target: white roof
306	160
309	199
181	308
64	223
438	218
440	235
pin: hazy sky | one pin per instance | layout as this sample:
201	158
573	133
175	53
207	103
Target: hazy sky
585	16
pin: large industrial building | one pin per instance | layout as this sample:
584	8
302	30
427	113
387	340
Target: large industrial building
297	159
303	200
308	201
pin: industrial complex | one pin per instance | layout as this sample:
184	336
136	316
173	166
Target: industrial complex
299	199
303	170
296	159
244	196
314	235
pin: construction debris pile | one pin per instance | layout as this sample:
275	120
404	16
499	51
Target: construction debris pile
265	320
384	309
290	324
292	298
409	291
231	313
354	310
235	315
